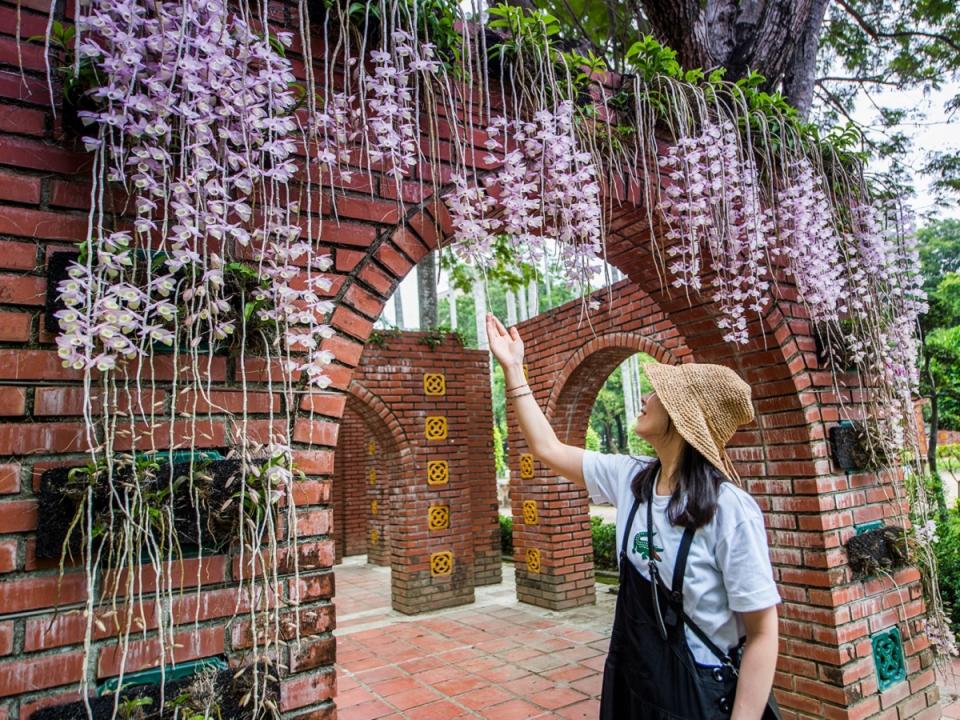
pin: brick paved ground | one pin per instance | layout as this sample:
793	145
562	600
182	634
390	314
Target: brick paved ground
494	659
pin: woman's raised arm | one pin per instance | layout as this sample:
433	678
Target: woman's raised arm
507	347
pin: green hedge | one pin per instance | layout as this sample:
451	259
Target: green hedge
948	563
604	541
506	535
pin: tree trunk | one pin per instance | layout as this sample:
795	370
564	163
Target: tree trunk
522	297
427	291
934	418
398	307
533	300
621	436
739	35
800	76
452	300
480	310
511	308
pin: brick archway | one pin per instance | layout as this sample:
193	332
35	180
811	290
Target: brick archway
828	616
373	455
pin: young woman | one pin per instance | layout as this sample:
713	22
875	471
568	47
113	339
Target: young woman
695	632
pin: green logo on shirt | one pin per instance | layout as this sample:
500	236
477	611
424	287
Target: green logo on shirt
640	546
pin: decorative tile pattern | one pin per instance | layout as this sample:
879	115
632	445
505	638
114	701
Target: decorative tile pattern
441	563
436	427
888	657
372	476
374	507
439	517
438	472
530	514
526	466
434	384
374	536
371	447
533	560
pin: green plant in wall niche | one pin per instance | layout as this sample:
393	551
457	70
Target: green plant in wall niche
380	338
437	336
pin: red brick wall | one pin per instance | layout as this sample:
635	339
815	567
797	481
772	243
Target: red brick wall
568	361
389	384
825	669
826	665
351	504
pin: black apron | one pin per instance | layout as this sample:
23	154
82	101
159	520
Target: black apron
650	672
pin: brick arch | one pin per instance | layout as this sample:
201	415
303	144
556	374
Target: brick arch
811	510
362	477
578	383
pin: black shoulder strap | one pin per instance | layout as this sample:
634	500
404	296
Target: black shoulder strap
629	525
710	644
680	567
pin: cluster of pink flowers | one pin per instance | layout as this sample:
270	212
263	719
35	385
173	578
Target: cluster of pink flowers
713	207
195	119
337	128
394	134
294	302
809	240
546	191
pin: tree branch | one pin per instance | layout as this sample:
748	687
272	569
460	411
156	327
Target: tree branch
878	34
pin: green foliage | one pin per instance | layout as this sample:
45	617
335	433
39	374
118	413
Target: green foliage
77	78
499	452
948	457
593	439
380	338
611	427
768	114
438	336
868	46
506	535
604	544
947	550
939	247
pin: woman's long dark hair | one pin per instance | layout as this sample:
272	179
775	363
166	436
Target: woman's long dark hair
694	500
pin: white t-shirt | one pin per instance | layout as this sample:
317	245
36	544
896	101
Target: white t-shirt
728	567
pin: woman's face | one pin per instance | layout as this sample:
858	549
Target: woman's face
653	421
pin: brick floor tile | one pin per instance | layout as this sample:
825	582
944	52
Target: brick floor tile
353	697
569	673
419	664
484	697
511	710
520	653
952	711
370	677
365	711
503	673
413	698
586	710
442	710
524	687
541	663
556	697
386	688
457	685
595	663
589	685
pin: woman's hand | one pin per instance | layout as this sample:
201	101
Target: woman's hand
505	345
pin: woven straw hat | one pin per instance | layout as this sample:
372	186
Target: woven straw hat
707	404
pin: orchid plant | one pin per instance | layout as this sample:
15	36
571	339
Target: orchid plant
199	119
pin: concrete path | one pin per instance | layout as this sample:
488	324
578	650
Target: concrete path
496	659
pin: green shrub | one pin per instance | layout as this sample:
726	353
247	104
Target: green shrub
604	544
947	549
506	535
948	457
